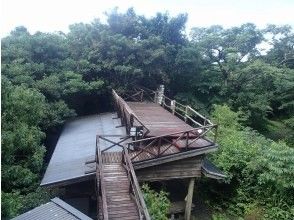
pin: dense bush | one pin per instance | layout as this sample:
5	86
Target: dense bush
157	203
260	171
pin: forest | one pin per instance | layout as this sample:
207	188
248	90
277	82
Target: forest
242	77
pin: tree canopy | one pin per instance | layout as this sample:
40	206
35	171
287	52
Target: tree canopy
49	77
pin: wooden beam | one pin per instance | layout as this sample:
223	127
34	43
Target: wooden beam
174	157
189	199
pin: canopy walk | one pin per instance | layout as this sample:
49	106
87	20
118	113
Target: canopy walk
158	131
150	138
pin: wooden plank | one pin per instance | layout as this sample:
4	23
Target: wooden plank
174	157
119	203
190	167
158	120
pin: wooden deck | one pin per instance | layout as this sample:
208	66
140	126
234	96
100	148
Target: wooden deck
158	120
165	150
157	144
115	157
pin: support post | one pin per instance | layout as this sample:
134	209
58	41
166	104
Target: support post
189	199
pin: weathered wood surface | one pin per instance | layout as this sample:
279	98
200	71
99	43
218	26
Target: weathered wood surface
171	154
190	167
119	202
174	157
111	157
101	187
135	187
158	120
189	199
167	149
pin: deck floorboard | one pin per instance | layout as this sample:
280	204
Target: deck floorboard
158	120
119	202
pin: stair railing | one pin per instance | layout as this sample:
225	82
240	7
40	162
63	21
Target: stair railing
101	190
135	187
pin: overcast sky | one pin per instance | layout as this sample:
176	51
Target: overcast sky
56	15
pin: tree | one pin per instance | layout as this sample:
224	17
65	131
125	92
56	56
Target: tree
260	171
282	42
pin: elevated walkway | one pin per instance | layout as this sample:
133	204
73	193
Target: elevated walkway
155	135
119	194
150	138
118	197
163	130
158	120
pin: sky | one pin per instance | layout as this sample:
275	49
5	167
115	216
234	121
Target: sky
57	15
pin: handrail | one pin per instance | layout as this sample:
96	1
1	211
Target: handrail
124	108
143	89
171	134
187	138
99	168
134	184
201	125
172	105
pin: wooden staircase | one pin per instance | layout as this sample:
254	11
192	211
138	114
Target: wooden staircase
156	133
119	202
118	189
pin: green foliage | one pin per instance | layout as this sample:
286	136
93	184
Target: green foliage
157	203
23	110
49	77
14	203
11	204
259	170
219	216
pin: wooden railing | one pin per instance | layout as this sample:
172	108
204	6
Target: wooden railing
182	140
133	182
184	112
135	187
127	116
101	190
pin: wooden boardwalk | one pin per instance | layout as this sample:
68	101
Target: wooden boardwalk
157	143
158	120
118	189
119	202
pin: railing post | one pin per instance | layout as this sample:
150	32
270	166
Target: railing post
173	106
187	140
131	120
142	95
159	94
155	97
186	112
